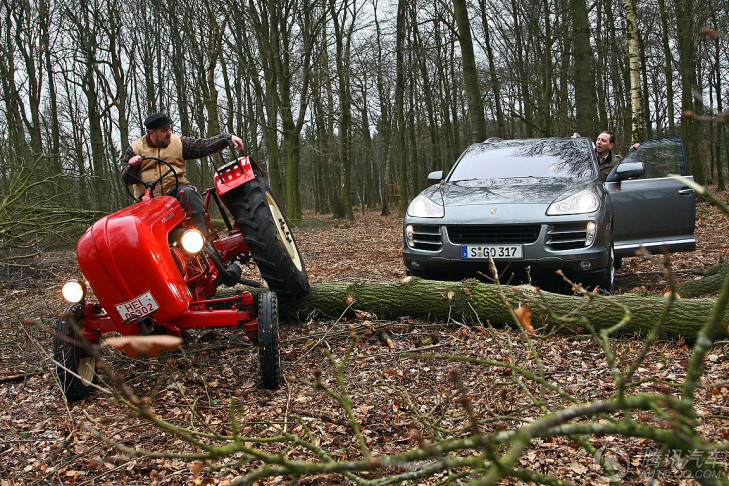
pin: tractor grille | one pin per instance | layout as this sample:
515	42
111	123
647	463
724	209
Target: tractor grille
426	237
494	233
568	236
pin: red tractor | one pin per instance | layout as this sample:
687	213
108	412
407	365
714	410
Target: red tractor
152	271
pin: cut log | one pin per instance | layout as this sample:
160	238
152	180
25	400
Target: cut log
472	301
710	283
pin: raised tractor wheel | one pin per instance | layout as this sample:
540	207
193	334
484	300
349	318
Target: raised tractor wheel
76	368
269	349
269	238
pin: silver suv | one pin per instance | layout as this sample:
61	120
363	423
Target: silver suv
538	205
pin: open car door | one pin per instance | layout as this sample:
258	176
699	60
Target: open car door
655	211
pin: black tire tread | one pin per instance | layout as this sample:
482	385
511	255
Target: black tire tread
68	353
251	212
269	348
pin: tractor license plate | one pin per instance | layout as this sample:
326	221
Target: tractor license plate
138	307
497	252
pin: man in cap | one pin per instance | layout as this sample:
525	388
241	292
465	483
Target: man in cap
161	143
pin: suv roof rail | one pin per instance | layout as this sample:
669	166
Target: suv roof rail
576	135
493	140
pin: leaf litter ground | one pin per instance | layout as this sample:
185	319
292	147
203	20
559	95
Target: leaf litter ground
44	441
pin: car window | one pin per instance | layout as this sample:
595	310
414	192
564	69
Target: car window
661	157
525	158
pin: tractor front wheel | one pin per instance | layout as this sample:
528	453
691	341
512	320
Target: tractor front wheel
269	349
76	366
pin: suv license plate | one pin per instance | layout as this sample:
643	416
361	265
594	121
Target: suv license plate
138	307
497	252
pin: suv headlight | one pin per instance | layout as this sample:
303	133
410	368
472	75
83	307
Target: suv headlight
424	207
579	203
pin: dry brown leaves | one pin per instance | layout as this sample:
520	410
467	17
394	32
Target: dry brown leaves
45	442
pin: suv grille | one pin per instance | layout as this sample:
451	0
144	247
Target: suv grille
569	236
494	233
426	237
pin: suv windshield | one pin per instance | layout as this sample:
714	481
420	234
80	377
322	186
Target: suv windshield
525	158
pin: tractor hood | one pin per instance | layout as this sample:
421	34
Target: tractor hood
126	254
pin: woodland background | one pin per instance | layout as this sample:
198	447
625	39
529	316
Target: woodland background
348	105
345	104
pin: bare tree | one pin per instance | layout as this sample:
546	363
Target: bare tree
470	71
636	98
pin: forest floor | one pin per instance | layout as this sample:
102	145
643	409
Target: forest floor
45	441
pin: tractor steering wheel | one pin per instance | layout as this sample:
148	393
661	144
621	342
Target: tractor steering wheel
151	184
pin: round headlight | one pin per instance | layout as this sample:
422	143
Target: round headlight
74	291
192	241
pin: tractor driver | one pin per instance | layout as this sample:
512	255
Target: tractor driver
160	142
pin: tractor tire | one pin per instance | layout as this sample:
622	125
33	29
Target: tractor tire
72	358
269	238
269	348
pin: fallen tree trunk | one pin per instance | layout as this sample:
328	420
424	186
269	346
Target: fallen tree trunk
710	283
473	301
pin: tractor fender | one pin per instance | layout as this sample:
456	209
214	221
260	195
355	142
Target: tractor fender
234	174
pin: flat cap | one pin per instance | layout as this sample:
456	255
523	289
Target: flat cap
157	120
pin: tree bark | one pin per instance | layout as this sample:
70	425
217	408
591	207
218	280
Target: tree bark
371	190
521	70
384	124
345	102
400	103
435	162
690	104
720	127
495	81
470	72
709	284
472	301
636	98
583	64
668	55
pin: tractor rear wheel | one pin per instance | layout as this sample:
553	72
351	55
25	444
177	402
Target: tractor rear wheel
269	348
76	368
269	238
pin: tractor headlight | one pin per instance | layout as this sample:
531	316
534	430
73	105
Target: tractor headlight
192	241
74	291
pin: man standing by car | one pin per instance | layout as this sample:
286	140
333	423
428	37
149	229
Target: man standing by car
604	148
161	143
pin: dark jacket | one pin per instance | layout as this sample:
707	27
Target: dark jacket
607	164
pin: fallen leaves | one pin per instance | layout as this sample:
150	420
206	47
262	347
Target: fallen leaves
524	314
44	441
149	345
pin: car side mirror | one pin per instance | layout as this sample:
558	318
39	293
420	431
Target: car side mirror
627	170
435	177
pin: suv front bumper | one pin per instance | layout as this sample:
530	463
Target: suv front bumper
430	251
